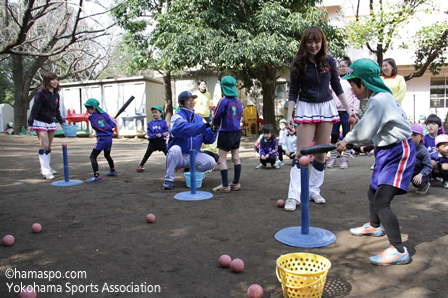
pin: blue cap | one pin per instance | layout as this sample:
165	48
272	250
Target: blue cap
185	95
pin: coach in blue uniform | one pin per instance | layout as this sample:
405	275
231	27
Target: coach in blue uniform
187	131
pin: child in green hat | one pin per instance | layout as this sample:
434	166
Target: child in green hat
384	125
157	133
103	125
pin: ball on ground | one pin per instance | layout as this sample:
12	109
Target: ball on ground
28	293
237	265
64	144
255	291
304	161
280	203
8	240
352	120
36	228
150	218
224	261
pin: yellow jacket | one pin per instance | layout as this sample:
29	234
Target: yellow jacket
202	103
397	85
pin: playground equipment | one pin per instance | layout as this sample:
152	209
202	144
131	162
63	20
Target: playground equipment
66	181
73	118
193	195
306	236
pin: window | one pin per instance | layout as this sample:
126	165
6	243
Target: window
438	92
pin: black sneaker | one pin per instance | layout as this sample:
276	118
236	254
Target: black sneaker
424	190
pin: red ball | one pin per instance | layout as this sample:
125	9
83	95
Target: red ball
255	291
28	293
36	228
352	120
304	161
8	240
64	144
280	203
150	218
237	265
225	261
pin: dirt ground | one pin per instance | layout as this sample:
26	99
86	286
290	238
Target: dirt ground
100	229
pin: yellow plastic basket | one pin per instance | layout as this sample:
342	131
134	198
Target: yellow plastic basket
302	274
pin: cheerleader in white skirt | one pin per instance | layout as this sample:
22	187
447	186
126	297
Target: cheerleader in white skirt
45	109
311	73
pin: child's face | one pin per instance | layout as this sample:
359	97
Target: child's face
90	110
267	135
156	114
360	92
443	148
292	130
282	125
432	128
416	138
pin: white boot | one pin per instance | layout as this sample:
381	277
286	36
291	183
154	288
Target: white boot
316	180
49	159
44	167
294	189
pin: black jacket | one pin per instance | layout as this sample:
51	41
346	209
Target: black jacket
45	108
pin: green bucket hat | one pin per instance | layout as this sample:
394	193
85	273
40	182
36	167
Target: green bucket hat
369	72
228	84
92	102
158	108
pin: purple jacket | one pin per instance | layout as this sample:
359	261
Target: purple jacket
155	127
228	114
102	124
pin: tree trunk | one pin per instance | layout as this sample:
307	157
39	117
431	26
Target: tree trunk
21	94
168	96
268	83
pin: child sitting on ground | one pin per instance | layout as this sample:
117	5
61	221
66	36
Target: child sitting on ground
440	159
103	125
434	127
423	165
268	148
290	145
157	133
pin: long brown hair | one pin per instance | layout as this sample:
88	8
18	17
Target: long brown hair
49	76
299	64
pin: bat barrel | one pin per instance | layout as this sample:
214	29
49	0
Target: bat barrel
316	149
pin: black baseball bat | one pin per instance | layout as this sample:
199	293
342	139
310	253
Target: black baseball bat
125	106
316	149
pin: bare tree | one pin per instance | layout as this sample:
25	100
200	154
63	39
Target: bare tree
38	33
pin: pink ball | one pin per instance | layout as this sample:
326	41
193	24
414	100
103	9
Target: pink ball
237	265
36	228
150	218
304	161
351	120
225	261
64	144
280	203
255	291
8	240
28	293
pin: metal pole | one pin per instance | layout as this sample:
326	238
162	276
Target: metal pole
193	171
305	200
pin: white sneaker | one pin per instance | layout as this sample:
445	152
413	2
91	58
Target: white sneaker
331	163
318	199
49	176
344	163
282	163
277	164
261	166
372	167
291	204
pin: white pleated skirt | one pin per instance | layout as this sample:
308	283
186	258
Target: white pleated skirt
307	112
43	126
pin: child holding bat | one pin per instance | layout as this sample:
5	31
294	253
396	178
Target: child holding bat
385	125
103	125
